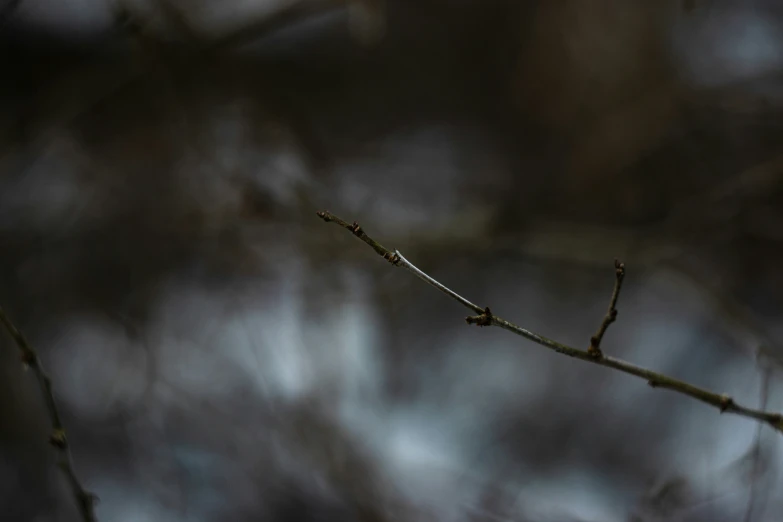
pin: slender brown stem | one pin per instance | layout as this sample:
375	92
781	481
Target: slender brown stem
611	313
485	318
85	500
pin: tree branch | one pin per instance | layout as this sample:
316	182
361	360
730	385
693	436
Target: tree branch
485	317
84	499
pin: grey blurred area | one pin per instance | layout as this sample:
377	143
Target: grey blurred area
219	353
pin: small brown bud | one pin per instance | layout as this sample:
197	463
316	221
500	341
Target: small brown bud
58	439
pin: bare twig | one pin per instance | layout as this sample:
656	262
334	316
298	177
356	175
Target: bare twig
84	499
611	313
486	318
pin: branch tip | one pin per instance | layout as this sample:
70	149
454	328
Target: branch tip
619	268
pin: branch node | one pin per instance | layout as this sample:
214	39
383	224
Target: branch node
356	229
593	349
653	384
726	402
485	319
392	257
58	439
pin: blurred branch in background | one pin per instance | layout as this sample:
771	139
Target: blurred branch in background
366	20
85	501
485	318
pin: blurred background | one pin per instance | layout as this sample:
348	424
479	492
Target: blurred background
219	353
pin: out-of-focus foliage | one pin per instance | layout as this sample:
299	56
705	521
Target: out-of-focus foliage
220	354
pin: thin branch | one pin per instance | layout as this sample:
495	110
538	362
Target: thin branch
611	313
84	499
268	24
485	318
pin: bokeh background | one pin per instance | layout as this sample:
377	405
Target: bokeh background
219	353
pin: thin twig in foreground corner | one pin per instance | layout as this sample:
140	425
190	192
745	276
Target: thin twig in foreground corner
485	318
84	499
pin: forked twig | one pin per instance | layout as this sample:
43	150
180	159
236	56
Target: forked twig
84	499
485	317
